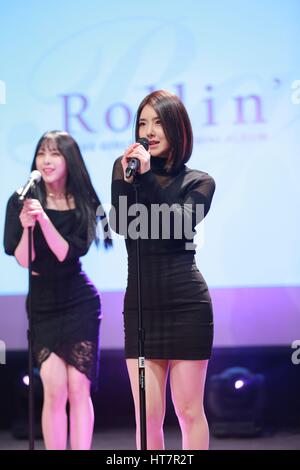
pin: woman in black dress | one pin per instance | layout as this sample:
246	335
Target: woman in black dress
176	305
66	309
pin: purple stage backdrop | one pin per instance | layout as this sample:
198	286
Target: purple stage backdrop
243	317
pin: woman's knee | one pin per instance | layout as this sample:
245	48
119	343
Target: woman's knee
53	374
155	413
55	388
78	386
189	413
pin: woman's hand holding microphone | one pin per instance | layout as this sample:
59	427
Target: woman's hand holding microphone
31	212
138	151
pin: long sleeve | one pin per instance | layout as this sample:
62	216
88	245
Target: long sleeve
13	229
186	203
170	206
199	190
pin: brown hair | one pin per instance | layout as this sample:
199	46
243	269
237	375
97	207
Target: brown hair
176	125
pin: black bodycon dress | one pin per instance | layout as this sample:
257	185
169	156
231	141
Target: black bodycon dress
176	304
65	304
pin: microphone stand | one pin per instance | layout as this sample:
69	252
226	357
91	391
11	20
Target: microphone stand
30	348
31	433
141	336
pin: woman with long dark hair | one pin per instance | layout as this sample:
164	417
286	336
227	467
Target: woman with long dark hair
66	310
176	305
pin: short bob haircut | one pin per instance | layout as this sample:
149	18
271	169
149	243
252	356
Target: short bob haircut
176	125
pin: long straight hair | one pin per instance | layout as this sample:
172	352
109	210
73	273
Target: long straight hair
175	123
78	185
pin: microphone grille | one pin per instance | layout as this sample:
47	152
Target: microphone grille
35	175
144	142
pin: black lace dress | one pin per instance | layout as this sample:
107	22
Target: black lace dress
176	304
66	310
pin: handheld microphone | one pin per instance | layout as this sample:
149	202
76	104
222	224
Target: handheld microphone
134	163
35	177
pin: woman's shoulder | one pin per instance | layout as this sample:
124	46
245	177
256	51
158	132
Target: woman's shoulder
199	176
117	161
117	172
13	201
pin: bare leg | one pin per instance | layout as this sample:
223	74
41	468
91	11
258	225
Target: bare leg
155	380
81	410
54	417
187	379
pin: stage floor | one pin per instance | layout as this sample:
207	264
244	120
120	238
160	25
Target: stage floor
123	439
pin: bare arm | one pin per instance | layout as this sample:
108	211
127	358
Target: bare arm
30	214
57	244
21	252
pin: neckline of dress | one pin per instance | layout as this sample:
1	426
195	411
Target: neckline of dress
60	210
158	166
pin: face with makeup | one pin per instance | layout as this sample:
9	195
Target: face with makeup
52	164
150	126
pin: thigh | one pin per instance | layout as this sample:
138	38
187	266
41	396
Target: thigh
77	381
156	372
187	381
54	371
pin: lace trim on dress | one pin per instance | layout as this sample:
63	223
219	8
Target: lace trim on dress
42	355
81	355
